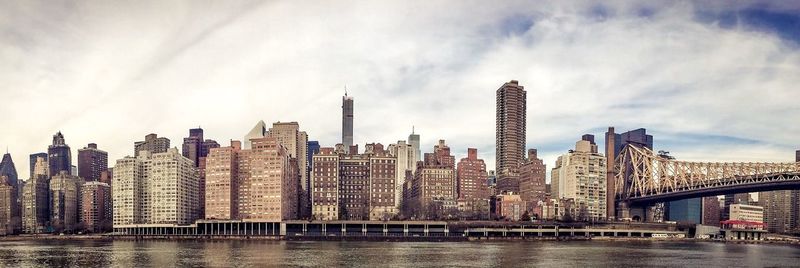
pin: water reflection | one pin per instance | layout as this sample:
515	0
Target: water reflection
257	253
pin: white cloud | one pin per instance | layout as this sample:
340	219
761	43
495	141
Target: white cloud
111	72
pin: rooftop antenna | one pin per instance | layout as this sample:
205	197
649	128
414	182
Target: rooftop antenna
412	129
345	90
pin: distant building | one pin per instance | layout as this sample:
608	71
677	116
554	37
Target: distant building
60	156
510	206
747	213
152	143
347	120
195	147
532	182
36	199
413	140
33	158
96	212
155	188
510	135
91	162
312	149
257	184
290	136
731	199
222	182
579	175
325	185
471	178
780	210
614	145
258	131
65	202
10	213
711	211
684	211
432	192
404	154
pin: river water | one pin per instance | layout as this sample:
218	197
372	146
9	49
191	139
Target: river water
237	253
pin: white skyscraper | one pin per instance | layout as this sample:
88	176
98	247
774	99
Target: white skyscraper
258	131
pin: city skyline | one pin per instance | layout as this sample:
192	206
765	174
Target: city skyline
422	81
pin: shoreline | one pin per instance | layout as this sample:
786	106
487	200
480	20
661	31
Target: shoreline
103	237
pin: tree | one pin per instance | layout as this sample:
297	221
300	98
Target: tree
525	217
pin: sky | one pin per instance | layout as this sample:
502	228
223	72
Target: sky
710	81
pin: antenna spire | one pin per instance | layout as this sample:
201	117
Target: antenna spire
412	129
345	90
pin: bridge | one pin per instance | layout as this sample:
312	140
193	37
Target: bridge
644	178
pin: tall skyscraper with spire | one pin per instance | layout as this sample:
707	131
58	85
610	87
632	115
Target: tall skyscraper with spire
59	155
347	120
510	135
413	139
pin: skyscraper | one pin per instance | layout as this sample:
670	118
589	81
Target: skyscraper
413	140
404	154
258	131
510	135
65	201
33	161
471	177
59	155
222	182
91	162
347	120
532	185
10	213
295	141
579	175
193	145
36	199
96	210
152	143
155	188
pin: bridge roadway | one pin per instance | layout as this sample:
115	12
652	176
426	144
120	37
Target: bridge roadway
770	182
419	230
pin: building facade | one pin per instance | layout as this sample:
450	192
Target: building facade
11	218
96	212
510	206
432	192
325	185
36	199
91	162
471	177
404	154
258	131
222	182
155	188
510	135
711	211
780	210
295	141
152	143
532	183
747	213
65	205
580	175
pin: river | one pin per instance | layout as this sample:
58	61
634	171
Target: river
238	253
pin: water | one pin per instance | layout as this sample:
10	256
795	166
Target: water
92	253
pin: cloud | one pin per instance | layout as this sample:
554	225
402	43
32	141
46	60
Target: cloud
707	86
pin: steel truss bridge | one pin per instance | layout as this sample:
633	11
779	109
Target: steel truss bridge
643	177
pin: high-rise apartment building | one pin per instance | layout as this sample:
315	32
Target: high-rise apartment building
195	147
254	184
404	154
347	121
59	154
532	184
267	185
580	175
711	211
152	143
780	210
222	182
432	192
382	180
96	210
91	162
36	199
295	141
65	201
325	185
510	135
258	131
155	188
471	177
